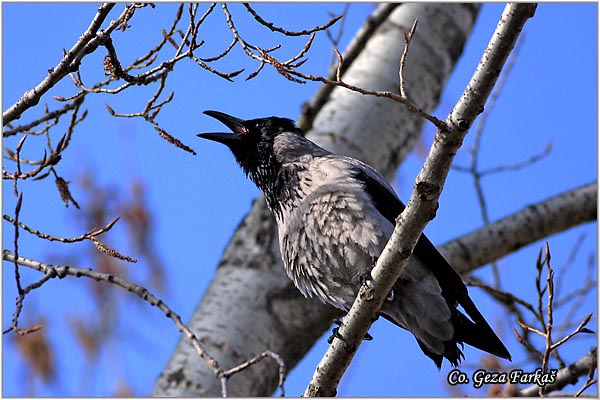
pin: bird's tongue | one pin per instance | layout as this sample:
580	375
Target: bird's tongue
240	130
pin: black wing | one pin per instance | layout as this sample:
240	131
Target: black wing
475	332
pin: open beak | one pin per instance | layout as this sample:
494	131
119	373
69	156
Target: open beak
235	124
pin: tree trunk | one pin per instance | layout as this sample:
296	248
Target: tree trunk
251	305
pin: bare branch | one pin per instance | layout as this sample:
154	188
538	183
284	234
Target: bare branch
524	227
286	32
580	329
550	313
502	296
565	376
407	39
46	117
441	125
267	354
421	206
335	41
68	64
222	54
525	342
532	329
54	271
590	380
20	291
85	236
375	20
19	307
476	151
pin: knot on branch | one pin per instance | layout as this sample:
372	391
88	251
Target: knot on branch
428	191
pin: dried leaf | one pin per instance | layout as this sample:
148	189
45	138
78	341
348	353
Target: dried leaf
163	134
111	252
110	110
65	194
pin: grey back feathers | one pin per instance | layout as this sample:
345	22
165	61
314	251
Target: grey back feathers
335	215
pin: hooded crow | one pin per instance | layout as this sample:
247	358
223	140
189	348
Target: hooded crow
335	215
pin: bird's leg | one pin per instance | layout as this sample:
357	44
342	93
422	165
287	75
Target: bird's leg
335	331
366	278
336	334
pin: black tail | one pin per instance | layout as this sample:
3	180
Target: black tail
476	331
472	330
479	335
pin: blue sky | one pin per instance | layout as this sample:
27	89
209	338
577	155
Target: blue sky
549	97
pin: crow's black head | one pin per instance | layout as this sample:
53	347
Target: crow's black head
246	135
251	142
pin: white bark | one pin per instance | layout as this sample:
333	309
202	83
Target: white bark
515	231
251	306
379	131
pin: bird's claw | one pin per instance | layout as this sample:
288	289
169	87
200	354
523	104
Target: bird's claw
365	278
336	334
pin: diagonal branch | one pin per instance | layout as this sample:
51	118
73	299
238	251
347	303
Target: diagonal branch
62	271
143	293
65	66
375	21
56	114
422	204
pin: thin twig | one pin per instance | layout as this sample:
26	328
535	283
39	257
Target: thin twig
567	375
550	305
143	293
55	271
580	329
335	41
19	307
225	375
407	39
441	125
85	236
286	32
526	343
83	46
46	117
500	295
476	150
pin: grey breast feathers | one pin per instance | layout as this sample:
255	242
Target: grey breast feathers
331	233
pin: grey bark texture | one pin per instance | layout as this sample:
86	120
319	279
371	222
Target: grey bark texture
251	305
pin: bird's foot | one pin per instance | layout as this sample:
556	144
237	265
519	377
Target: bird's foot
336	334
366	278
